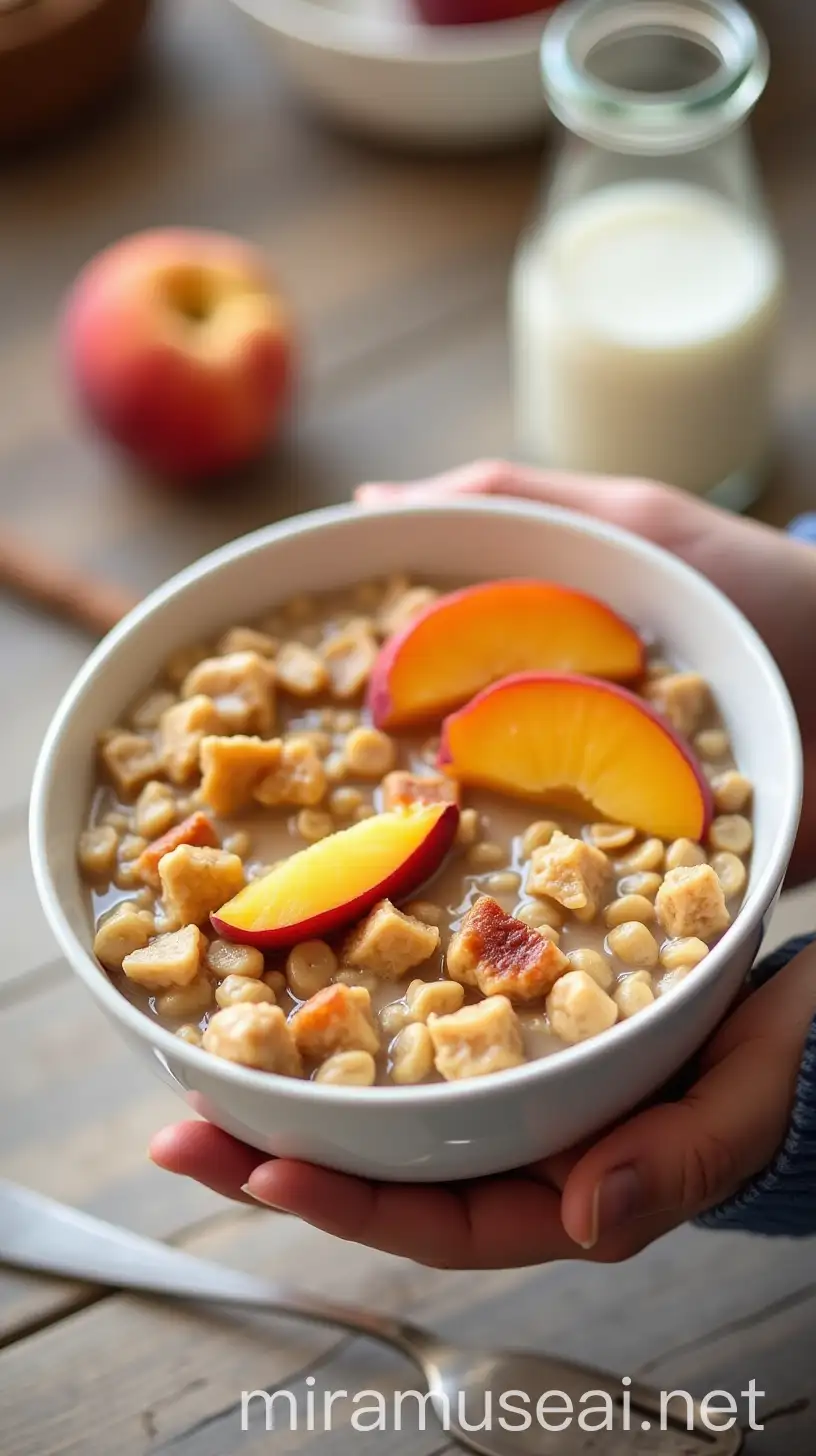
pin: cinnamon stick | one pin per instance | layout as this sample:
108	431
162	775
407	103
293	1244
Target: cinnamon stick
65	591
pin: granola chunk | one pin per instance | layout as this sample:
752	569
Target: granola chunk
691	902
570	872
181	731
242	686
389	943
401	789
477	1041
233	768
197	881
254	1034
173	959
197	829
299	778
336	1019
127	928
129	760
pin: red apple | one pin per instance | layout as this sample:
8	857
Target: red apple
180	349
478	12
337	880
537	734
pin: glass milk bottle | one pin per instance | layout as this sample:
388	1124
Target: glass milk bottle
645	299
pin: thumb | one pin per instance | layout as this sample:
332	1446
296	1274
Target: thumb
682	1158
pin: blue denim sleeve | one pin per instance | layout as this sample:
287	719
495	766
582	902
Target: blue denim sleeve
781	1200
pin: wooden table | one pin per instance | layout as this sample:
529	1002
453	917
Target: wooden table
397	268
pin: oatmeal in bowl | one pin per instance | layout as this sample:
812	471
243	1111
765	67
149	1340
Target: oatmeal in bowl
411	876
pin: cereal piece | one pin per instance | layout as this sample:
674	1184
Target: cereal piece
578	1009
468	828
348	1069
127	877
313	824
609	836
309	967
642	882
276	981
633	944
239	843
337	1019
345	801
129	761
315	739
537	835
400	608
732	792
643	859
434	998
502	955
148	711
486	855
117	820
730	872
300	778
504	882
173	959
412	1055
254	1036
197	881
426	911
712	743
682	697
369	753
390	943
629	907
335	768
401	788
570	872
192	1000
684	852
233	768
477	1041
690	902
225	959
124	930
685	952
198	830
543	914
349	657
393	1017
300	671
242	687
247	639
237	990
732	832
190	1034
673	979
131	847
182	729
156	810
97	852
632	996
593	964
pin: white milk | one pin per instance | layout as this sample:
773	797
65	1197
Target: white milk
643	318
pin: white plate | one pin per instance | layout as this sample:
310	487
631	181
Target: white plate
370	65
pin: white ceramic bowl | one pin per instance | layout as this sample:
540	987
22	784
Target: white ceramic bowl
464	1129
373	67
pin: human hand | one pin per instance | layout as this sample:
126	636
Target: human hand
769	576
667	1164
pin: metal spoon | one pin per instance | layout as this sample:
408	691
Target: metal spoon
40	1234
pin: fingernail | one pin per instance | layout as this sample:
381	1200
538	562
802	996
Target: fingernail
593	1223
618	1198
264	1202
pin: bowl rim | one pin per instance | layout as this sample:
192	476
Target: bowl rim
540	1070
327	29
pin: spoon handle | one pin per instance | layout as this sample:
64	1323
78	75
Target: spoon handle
40	1234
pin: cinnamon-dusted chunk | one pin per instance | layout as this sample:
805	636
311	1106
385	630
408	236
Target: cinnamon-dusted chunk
502	955
401	788
196	829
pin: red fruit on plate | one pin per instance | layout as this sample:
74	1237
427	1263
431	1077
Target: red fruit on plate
536	735
478	12
336	881
473	637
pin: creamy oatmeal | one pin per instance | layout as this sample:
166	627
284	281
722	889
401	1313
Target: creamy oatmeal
542	926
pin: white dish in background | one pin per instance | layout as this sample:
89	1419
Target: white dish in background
370	65
457	1129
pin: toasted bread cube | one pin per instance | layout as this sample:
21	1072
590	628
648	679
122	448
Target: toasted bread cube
156	809
570	872
400	789
129	761
197	829
232	768
578	1008
173	959
390	943
300	671
337	1019
503	956
196	881
477	1041
97	852
242	686
349	657
127	928
690	902
682	697
181	730
254	1034
299	777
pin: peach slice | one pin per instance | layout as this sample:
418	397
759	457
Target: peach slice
538	735
336	881
474	637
